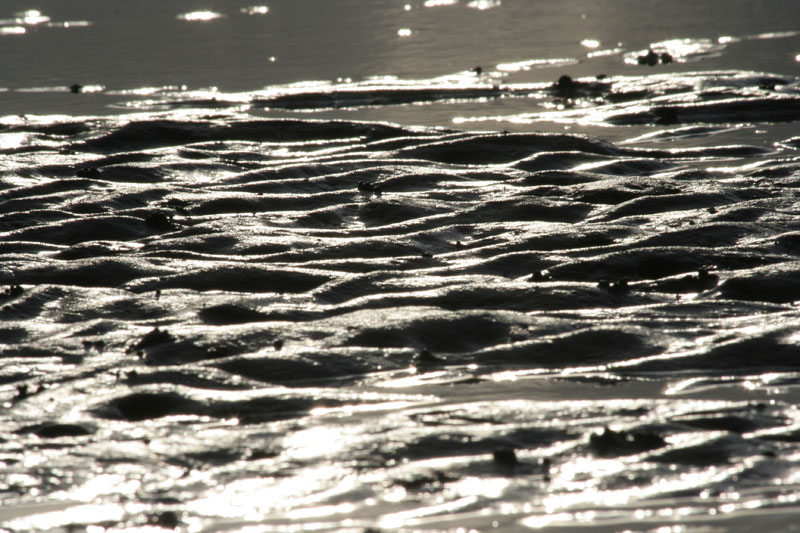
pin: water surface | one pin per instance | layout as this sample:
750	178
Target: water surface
306	267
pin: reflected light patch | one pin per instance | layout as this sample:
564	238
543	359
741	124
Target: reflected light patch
322	510
437	3
474	486
606	52
74	515
32	17
535	63
684	47
538	522
590	43
681	50
107	484
254	498
12	140
412	516
69	24
199	16
404	32
483	4
13	30
255	10
92	88
314	442
776	35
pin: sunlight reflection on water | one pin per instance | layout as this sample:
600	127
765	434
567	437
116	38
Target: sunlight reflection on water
483	4
291	252
199	16
255	10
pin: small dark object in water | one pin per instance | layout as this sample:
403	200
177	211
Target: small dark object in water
166	519
425	357
154	338
477	70
665	57
180	206
620	286
22	392
94	345
565	82
158	221
11	291
541	275
651	58
88	172
158	294
75	88
366	187
505	457
545	464
278	344
770	84
705	279
566	87
612	443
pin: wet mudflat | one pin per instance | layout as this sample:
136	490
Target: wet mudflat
227	321
571	304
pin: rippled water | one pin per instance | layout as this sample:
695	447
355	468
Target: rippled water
416	300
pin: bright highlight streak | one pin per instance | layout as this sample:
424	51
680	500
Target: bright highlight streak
437	3
33	17
13	30
255	10
483	4
199	16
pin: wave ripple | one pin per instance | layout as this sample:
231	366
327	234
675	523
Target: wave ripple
280	319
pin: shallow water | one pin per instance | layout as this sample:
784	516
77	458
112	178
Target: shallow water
415	299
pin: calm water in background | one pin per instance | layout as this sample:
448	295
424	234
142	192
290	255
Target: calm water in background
123	46
220	311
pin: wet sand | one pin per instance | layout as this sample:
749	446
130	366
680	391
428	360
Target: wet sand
475	300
